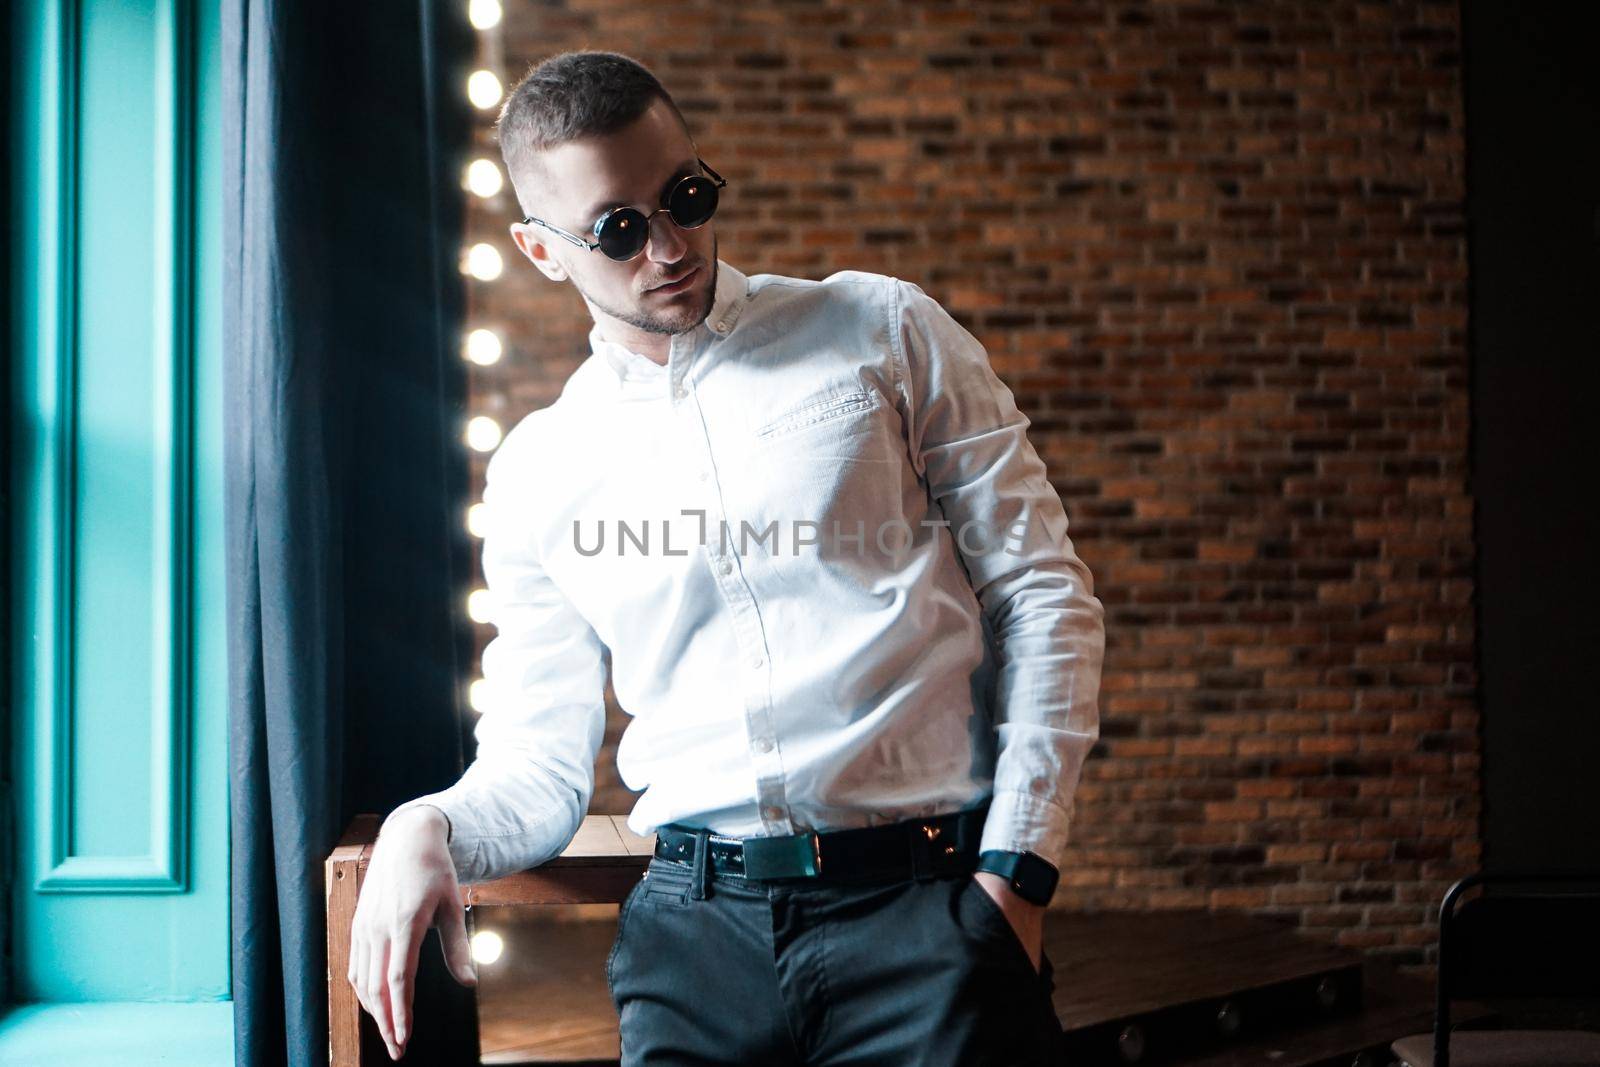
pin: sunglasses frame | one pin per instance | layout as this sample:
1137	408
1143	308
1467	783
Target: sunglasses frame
594	245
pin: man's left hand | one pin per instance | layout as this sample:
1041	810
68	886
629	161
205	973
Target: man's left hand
1026	917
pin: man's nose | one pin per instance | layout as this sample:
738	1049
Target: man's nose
666	236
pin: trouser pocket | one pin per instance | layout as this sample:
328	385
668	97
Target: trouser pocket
622	923
668	884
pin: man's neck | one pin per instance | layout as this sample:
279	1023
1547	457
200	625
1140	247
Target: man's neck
650	352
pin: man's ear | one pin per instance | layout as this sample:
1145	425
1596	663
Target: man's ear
523	238
531	244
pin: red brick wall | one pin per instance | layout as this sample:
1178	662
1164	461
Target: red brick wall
1217	251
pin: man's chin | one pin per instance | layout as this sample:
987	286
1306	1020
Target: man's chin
682	322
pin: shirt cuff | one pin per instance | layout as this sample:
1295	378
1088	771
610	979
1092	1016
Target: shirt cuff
1022	822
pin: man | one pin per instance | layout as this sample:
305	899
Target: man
861	656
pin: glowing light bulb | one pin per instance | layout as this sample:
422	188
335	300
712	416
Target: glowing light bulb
483	433
483	178
487	946
478	695
477	520
483	14
483	89
480	605
483	347
483	262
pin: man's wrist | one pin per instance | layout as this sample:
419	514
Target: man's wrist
413	816
1002	887
1029	875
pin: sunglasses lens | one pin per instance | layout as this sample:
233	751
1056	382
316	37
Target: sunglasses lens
623	234
693	202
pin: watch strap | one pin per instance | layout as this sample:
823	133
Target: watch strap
1033	877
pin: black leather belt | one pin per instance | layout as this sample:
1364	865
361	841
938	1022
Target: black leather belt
922	849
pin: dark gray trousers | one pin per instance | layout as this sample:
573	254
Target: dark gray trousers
711	968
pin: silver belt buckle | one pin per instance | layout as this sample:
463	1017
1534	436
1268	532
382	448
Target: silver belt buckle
789	856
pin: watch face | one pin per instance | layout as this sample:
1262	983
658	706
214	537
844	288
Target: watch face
1036	878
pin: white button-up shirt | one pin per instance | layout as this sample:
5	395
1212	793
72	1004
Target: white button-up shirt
834	581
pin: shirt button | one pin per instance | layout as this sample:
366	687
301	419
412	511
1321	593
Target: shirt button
683	391
703	475
764	744
726	567
758	661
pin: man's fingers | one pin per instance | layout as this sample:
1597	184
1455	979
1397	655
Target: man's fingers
403	953
452	924
388	1035
378	989
364	991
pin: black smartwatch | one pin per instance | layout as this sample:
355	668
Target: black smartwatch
1031	875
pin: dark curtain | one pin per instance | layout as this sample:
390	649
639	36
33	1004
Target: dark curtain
345	128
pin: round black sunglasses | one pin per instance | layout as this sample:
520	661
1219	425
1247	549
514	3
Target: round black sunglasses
622	232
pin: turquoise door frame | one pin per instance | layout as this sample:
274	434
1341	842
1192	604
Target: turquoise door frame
117	712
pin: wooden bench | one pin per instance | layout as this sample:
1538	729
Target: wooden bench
601	864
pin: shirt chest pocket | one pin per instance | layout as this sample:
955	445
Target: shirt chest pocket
835	456
817	411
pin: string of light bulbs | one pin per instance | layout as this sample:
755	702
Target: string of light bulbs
482	346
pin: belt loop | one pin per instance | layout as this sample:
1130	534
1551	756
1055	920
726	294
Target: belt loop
969	828
700	887
970	824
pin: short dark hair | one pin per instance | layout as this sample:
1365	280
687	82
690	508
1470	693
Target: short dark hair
567	97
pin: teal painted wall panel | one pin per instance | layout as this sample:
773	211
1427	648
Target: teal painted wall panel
118	717
123	114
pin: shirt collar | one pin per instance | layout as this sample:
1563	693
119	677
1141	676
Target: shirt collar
726	306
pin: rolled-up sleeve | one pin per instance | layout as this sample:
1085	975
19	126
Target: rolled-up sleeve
968	441
523	797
